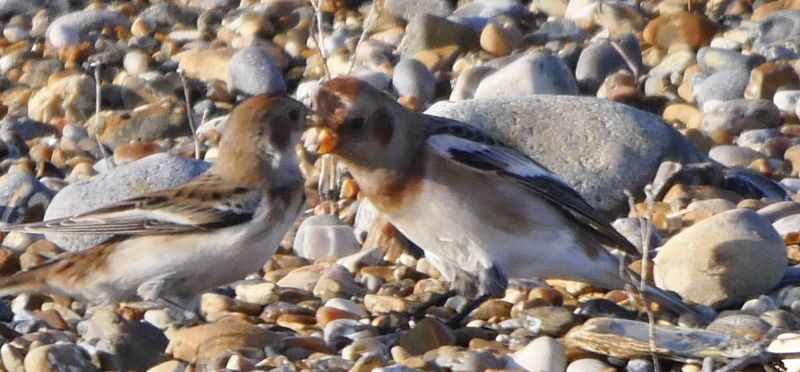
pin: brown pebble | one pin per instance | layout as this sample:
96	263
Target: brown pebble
52	318
128	152
327	314
426	335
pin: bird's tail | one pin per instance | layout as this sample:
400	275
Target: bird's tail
33	280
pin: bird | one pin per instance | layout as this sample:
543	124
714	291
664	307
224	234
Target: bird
173	244
481	210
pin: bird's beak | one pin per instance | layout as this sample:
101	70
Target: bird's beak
327	140
320	139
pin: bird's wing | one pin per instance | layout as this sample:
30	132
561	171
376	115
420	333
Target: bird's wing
469	146
204	203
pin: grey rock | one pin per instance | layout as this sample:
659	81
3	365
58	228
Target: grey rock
722	85
597	146
58	357
734	156
639	365
602	58
453	358
22	197
563	30
536	73
164	16
341	332
75	27
675	62
252	71
781	28
410	10
324	235
155	172
377	79
741	324
741	114
722	59
27	129
150	122
366	214
468	82
476	14
588	365
412	78
787	100
430	31
756	137
722	259
788	224
122	344
10	8
542	354
776	211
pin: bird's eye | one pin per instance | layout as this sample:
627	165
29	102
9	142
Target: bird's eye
294	114
354	124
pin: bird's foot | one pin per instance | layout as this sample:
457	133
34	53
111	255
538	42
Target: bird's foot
455	322
182	317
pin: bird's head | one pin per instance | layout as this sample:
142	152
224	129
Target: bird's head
264	130
357	122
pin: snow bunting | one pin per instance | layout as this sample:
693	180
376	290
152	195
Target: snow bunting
481	210
172	244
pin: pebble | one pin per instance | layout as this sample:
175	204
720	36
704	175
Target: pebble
722	259
75	27
734	156
431	32
410	10
786	100
722	86
412	79
537	73
341	332
253	71
541	354
323	236
747	326
455	358
779	29
57	356
207	341
737	115
602	58
23	197
769	78
428	334
679	28
588	365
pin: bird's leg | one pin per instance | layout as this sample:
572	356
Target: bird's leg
183	317
455	321
439	299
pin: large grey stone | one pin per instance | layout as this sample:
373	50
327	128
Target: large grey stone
723	259
155	172
599	147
